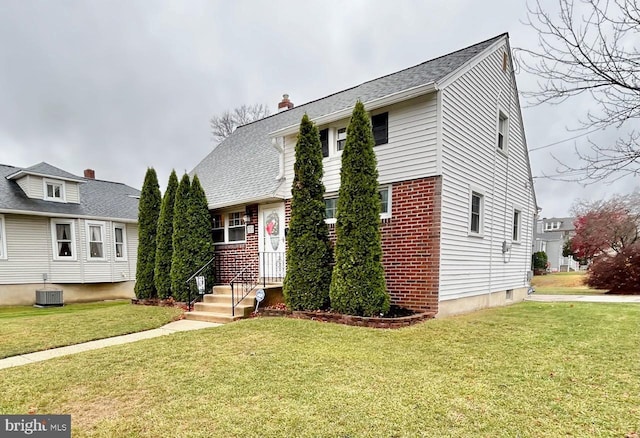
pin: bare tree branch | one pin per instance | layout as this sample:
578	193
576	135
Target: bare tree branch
223	125
590	47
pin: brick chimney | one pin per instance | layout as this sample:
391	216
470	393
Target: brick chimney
90	174
285	104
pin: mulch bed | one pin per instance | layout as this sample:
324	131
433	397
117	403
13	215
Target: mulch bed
397	318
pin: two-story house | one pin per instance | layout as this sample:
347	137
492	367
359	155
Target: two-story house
457	199
551	236
58	230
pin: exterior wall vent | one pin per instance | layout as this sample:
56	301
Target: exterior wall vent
49	297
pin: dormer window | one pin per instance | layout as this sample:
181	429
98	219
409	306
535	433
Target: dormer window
54	190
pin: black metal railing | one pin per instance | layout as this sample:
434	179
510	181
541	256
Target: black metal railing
273	267
208	277
242	284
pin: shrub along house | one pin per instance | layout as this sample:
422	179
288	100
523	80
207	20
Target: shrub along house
78	234
457	199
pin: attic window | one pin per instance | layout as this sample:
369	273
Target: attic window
505	59
54	190
324	140
380	127
503	129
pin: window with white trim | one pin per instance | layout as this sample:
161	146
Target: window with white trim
120	241
3	239
54	190
476	208
63	236
330	209
217	230
229	227
503	130
385	202
331	205
341	138
95	241
517	219
236	230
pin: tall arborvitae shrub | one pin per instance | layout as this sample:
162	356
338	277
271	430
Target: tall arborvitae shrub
200	239
309	253
164	239
357	284
148	211
181	257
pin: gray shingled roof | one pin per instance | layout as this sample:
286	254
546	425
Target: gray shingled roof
244	167
98	199
45	169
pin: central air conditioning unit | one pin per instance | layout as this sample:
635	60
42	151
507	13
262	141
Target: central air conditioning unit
49	297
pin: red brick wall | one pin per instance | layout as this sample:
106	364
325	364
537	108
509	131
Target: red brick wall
231	258
410	243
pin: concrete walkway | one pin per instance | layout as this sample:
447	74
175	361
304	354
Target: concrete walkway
173	327
585	298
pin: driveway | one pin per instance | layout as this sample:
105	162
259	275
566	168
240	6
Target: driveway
585	298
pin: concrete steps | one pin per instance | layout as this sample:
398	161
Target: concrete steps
217	306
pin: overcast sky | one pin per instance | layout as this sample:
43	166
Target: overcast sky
118	86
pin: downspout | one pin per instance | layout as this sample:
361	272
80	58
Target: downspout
278	144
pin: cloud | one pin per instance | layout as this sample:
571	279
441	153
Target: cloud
121	85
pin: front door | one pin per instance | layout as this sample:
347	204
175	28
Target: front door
271	241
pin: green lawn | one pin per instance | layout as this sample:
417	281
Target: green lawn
528	370
563	283
25	329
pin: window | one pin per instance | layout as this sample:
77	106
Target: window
516	225
236	227
341	138
3	241
551	226
385	202
228	227
475	219
331	208
331	205
503	129
380	127
95	240
54	190
63	234
324	141
120	241
218	228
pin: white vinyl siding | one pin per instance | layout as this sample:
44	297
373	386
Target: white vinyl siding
30	246
470	105
409	154
35	187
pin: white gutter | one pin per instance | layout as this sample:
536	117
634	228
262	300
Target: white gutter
371	105
66	215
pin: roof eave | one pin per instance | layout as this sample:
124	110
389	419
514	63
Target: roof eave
66	215
22	172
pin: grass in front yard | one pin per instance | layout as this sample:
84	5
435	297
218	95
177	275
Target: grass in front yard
25	329
564	283
528	370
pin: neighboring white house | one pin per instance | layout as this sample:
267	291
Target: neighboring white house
457	199
58	230
551	236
